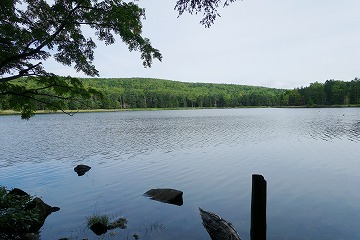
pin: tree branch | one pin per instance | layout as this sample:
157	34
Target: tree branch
28	45
48	95
44	102
209	7
22	73
43	44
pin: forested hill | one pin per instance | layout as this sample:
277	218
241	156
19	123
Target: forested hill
157	93
126	93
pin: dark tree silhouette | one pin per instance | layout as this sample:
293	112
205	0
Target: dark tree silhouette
209	8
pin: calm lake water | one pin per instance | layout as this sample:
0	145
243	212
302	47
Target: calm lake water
309	157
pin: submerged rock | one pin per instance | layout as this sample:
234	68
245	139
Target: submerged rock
40	206
217	227
98	228
81	169
43	210
120	223
166	195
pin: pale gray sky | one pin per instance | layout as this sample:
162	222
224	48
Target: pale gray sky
281	44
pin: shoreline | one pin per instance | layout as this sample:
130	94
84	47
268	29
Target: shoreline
13	112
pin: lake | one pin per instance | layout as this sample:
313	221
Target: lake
309	157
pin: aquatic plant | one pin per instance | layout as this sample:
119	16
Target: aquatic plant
103	219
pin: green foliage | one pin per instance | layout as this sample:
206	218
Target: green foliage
46	92
157	93
127	93
330	93
32	31
208	7
15	219
103	219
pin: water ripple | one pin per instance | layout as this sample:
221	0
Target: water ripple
310	156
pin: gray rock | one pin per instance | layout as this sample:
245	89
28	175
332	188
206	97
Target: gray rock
81	169
166	195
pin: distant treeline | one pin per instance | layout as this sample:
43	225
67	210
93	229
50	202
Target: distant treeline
126	93
157	93
330	93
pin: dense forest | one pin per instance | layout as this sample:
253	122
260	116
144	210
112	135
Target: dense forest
157	93
330	93
129	93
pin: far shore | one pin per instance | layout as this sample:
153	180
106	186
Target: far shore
12	112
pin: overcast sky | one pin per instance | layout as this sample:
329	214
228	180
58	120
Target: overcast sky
271	43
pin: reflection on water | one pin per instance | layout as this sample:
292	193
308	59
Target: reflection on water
308	156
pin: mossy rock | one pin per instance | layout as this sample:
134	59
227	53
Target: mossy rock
21	214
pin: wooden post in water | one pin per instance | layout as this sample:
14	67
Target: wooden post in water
258	208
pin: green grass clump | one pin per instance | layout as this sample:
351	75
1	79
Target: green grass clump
103	219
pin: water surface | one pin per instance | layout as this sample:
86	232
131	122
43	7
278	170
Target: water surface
309	158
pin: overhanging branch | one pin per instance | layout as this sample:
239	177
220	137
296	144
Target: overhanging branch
22	73
43	44
44	102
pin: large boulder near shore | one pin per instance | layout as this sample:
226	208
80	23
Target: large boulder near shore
81	169
166	195
41	207
21	214
18	192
